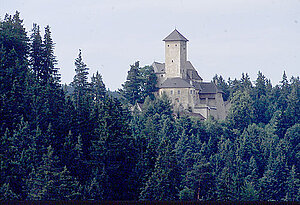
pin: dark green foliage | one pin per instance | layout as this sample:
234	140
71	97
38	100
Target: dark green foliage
49	74
164	180
48	181
221	83
293	185
98	87
262	102
112	150
80	82
139	84
241	111
14	71
80	143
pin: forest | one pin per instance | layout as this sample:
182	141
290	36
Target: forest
82	142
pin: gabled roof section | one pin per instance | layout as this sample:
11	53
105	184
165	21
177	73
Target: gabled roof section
175	83
175	36
158	67
209	88
191	71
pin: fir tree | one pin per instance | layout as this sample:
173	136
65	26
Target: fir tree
98	87
48	181
163	183
132	87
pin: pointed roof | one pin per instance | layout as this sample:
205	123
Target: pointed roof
175	36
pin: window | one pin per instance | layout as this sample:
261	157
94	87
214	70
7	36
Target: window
191	92
172	61
161	75
171	92
178	92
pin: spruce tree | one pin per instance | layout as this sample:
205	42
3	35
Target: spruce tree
49	181
293	185
163	184
112	150
132	87
49	73
241	111
14	51
36	51
98	87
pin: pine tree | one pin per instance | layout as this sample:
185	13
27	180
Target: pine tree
163	183
148	82
49	181
98	87
49	73
241	111
6	193
80	82
293	185
201	180
261	103
14	51
292	111
245	82
292	136
132	87
249	193
36	51
112	149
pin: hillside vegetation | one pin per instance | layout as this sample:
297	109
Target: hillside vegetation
85	144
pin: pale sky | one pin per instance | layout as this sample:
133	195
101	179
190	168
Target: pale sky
226	37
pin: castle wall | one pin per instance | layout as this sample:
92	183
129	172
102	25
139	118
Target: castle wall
175	57
161	77
181	98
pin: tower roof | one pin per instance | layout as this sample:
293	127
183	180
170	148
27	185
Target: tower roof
175	36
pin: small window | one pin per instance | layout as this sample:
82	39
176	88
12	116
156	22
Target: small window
171	92
172	61
191	92
178	91
161	75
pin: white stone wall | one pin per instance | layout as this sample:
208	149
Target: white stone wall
181	98
160	78
175	58
221	114
211	104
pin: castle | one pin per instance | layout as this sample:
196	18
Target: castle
180	81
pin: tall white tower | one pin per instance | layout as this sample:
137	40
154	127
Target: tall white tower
175	55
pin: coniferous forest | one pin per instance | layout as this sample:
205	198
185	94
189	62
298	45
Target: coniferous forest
82	142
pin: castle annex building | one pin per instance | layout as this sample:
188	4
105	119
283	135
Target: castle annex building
178	78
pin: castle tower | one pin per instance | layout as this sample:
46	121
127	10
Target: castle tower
175	55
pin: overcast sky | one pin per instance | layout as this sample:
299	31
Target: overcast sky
226	37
